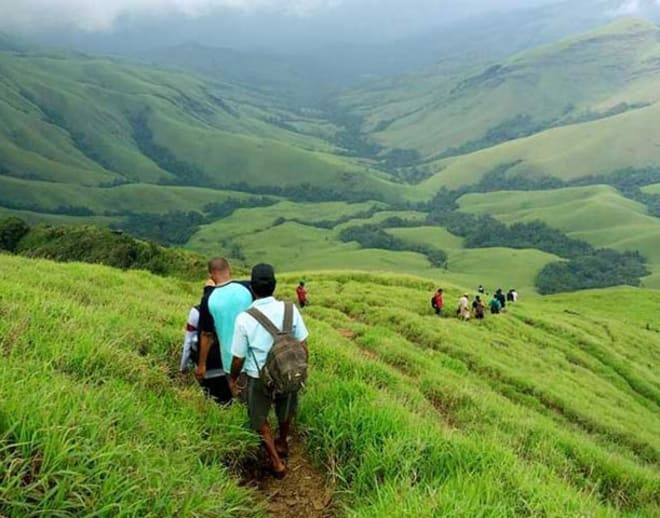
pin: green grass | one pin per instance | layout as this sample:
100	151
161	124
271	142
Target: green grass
599	147
433	236
298	245
548	410
434	113
491	267
84	121
652	189
91	420
597	214
294	246
247	222
123	198
36	218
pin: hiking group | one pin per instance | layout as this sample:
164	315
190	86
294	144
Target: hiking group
245	343
477	309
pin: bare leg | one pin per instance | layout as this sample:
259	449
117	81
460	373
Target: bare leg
267	436
281	442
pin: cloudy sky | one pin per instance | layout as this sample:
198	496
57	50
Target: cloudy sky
96	15
125	26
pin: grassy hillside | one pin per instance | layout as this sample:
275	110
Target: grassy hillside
97	123
305	236
550	409
169	157
609	76
576	151
492	267
597	214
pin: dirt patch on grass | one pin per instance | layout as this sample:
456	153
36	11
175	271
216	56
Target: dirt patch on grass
303	493
346	333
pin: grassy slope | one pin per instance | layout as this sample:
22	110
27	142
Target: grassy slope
72	119
491	267
553	83
596	214
540	411
652	189
35	218
139	197
575	151
299	245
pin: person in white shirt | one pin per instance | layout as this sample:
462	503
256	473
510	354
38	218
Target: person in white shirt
189	339
250	347
464	307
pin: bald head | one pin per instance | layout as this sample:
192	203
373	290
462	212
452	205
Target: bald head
219	270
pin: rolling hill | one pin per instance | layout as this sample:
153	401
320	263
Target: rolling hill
549	409
92	122
599	215
590	96
231	168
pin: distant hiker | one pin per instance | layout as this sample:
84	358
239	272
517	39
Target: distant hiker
223	300
514	295
494	305
481	289
478	308
437	302
500	296
190	340
509	296
270	341
463	310
301	292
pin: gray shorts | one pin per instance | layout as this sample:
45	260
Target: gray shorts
259	404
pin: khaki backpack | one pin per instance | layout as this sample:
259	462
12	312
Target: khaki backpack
285	370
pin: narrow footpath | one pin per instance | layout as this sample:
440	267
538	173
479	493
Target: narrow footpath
303	493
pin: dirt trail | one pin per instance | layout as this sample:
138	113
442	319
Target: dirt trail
303	493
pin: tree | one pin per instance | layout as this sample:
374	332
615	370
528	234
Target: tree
12	230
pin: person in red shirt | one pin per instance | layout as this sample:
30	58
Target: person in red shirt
437	303
302	295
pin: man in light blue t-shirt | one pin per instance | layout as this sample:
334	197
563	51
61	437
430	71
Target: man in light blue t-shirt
218	314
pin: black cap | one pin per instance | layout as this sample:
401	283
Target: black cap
263	274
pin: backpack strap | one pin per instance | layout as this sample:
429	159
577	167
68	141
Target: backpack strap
265	321
287	326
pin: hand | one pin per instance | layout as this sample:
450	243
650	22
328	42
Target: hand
200	371
233	387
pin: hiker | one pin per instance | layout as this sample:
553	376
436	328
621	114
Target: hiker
514	295
502	299
509	296
478	308
254	347
302	295
481	289
214	383
190	340
436	302
463	310
223	300
494	305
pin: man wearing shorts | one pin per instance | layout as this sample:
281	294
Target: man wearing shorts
250	347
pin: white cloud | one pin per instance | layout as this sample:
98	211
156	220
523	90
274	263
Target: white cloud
102	14
633	7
